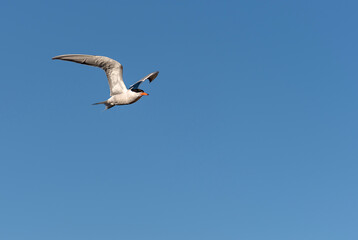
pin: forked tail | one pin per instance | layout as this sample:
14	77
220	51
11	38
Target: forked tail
108	105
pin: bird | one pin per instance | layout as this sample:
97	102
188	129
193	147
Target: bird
119	94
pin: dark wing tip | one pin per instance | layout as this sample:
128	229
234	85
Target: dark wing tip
153	76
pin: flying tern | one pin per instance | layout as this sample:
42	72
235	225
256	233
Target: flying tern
119	93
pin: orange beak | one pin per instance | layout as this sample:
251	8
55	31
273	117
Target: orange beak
144	94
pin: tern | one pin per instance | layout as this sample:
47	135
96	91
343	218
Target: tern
119	93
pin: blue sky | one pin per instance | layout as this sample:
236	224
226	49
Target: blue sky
249	131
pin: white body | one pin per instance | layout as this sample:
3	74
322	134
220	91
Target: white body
128	97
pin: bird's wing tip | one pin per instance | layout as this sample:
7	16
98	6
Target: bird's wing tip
155	74
62	56
56	57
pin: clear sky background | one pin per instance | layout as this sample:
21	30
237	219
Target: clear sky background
249	132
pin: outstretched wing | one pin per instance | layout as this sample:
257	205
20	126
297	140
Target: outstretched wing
113	69
150	77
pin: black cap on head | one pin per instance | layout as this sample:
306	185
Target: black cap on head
137	90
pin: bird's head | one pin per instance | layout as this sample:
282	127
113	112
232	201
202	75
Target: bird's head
139	92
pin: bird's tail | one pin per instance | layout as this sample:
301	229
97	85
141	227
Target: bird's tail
108	105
